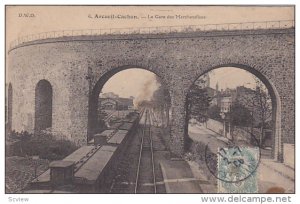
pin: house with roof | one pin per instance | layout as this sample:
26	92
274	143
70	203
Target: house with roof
116	103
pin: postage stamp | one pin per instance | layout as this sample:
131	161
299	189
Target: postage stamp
237	169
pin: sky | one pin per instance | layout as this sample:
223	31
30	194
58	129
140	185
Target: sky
135	82
230	77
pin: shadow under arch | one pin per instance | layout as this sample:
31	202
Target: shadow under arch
276	104
96	89
43	105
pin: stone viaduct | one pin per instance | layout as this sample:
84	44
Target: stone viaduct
68	72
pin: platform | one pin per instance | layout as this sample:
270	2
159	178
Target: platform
178	177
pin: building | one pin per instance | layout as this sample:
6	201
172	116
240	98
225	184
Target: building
109	95
108	104
116	103
226	103
224	98
124	103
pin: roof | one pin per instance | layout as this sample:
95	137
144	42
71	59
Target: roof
125	101
121	101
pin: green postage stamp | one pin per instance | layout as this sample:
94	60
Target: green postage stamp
237	169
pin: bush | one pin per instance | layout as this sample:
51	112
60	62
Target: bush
214	113
197	153
23	135
45	145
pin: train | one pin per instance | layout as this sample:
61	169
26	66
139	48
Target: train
89	169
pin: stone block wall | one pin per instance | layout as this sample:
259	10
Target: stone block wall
178	59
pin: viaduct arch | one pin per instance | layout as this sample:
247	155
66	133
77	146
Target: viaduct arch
73	65
95	91
276	101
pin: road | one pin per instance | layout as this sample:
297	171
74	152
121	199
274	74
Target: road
201	134
270	173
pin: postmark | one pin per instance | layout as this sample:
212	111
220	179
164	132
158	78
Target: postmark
237	169
240	161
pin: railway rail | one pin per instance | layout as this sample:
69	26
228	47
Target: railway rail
146	180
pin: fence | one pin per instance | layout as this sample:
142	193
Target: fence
155	30
239	133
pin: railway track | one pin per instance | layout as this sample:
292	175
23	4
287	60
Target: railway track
139	170
153	119
141	114
145	176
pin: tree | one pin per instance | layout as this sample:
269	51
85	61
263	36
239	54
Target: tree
240	115
198	102
214	113
259	102
101	125
264	106
161	101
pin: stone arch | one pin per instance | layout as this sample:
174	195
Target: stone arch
277	152
43	105
94	92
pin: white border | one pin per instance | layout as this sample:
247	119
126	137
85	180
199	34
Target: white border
111	199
